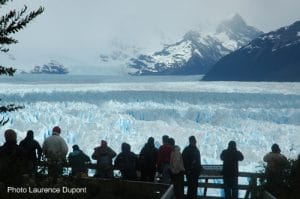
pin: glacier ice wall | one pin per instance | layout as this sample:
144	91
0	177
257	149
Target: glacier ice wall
254	114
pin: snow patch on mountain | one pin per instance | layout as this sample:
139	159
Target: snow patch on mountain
196	52
226	41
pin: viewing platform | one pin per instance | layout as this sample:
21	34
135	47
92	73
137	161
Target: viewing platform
210	186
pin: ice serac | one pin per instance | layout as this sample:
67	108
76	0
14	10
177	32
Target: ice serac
273	56
196	53
255	115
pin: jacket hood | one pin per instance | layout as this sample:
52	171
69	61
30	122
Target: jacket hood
176	148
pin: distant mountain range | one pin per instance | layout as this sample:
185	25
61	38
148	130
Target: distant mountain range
51	68
274	56
196	54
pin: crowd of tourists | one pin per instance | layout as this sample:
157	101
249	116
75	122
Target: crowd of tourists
167	161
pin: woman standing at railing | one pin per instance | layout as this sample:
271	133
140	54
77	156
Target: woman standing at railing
230	158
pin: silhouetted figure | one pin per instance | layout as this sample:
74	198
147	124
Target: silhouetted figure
163	160
78	161
147	160
276	163
177	170
230	171
192	164
55	150
31	152
104	155
126	162
10	163
295	179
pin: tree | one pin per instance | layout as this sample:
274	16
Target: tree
10	23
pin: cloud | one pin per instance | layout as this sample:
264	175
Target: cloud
81	30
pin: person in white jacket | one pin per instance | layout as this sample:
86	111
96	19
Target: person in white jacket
177	170
55	150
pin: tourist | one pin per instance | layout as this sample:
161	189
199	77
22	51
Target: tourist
104	155
163	160
147	161
126	162
192	164
78	161
276	162
295	179
31	152
230	157
177	170
55	150
10	159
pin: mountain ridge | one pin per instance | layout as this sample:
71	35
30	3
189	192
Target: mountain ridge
273	56
195	53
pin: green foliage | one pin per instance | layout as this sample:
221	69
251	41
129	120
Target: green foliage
10	23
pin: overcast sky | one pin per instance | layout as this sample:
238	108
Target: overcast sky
76	32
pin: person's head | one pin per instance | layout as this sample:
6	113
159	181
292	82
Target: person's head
75	147
10	136
103	143
275	148
165	139
192	140
171	142
232	145
56	130
125	147
150	141
29	135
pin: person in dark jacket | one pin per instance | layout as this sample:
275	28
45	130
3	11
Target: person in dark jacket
126	162
104	155
230	158
10	159
78	161
31	152
147	160
163	160
295	179
192	164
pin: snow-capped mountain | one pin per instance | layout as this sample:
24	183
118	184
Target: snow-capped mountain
196	53
51	68
270	57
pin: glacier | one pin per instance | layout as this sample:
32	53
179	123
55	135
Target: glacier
255	114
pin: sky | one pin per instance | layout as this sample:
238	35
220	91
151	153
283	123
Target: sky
75	32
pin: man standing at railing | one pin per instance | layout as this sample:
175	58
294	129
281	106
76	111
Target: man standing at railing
55	149
192	165
230	171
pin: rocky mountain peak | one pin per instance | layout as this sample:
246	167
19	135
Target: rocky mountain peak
191	35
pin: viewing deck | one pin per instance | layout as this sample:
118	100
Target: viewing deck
210	185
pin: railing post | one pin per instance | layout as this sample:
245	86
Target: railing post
253	185
205	187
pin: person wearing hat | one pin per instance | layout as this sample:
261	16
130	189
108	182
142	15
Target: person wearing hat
10	158
104	155
55	150
276	162
78	160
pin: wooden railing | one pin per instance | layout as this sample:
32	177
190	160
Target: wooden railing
213	173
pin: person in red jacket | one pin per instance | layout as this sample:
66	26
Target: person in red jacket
163	160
